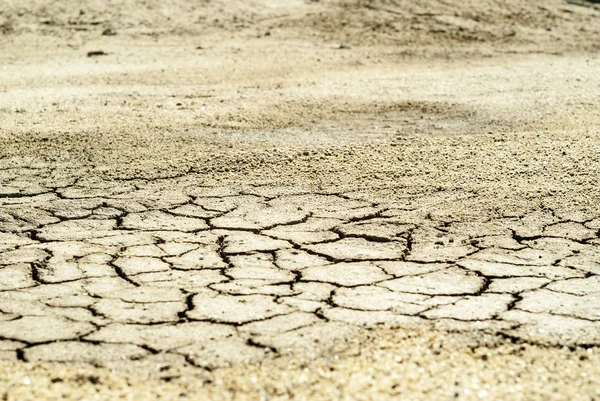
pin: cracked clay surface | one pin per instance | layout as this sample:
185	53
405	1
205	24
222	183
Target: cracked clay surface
102	271
300	199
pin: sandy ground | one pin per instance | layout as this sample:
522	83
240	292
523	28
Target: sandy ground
478	111
384	364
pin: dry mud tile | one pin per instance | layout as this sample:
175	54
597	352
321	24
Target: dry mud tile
47	291
431	245
253	260
482	307
258	217
59	271
570	230
16	276
315	225
141	313
205	257
13	240
137	264
23	255
248	242
127	205
254	286
385	229
9	356
516	285
77	230
593	224
163	337
348	249
578	286
313	291
260	273
302	237
124	239
371	318
584	261
67	250
10	345
296	259
312	341
104	190
545	301
303	305
438	251
157	199
510	270
526	256
401	268
417	217
9	224
177	248
223	353
25	191
144	250
81	352
348	214
95	258
197	191
497	241
5	316
271	192
280	324
36	217
369	298
200	237
98	287
189	210
38	329
106	213
436	300
559	246
239	309
551	329
346	274
318	203
36	308
226	204
451	281
71	301
157	220
76	314
147	295
492	228
9	191
190	281
72	208
532	224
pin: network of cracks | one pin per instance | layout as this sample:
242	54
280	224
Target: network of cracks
106	271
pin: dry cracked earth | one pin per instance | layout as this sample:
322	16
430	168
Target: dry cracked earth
333	199
212	276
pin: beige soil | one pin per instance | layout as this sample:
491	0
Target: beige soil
493	105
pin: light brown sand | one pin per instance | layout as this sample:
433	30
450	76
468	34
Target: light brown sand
376	365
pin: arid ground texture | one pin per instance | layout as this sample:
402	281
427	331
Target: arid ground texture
309	200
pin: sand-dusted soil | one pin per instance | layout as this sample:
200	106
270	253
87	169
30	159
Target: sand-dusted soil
299	199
